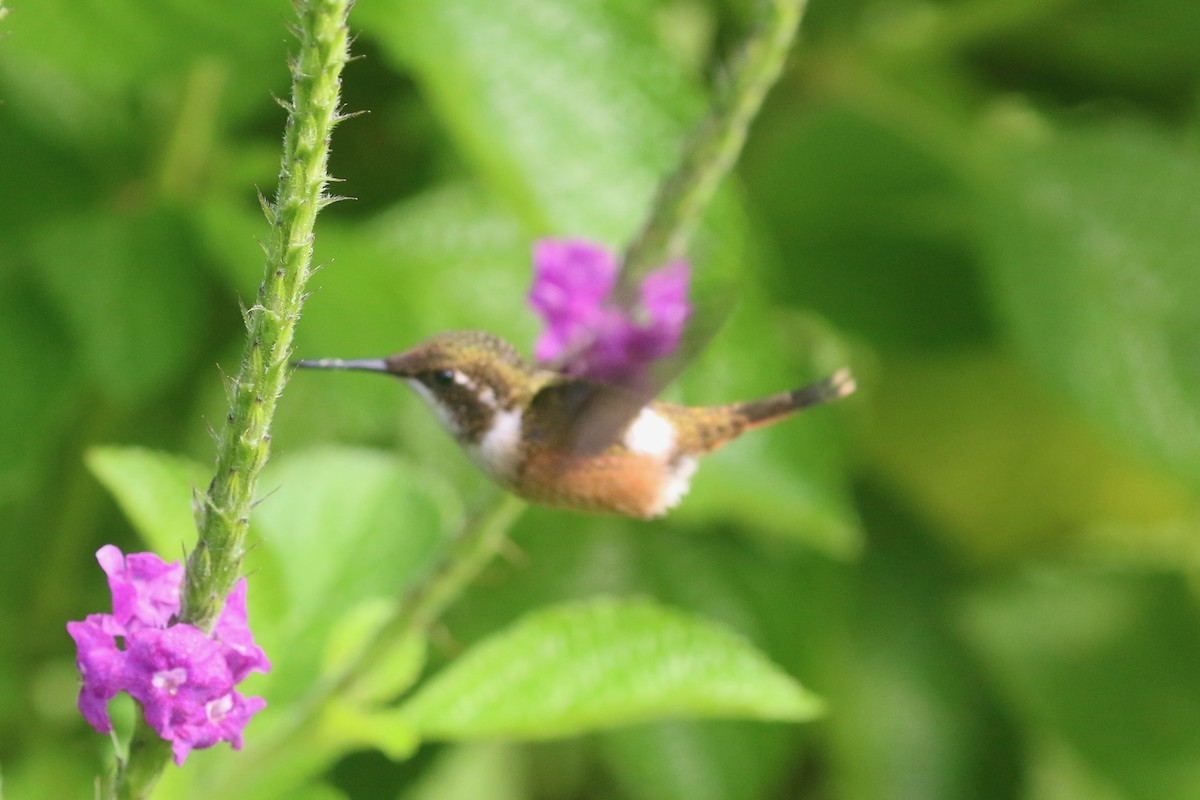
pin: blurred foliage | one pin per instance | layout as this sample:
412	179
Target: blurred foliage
985	563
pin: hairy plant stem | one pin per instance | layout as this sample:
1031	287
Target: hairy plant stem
714	146
243	444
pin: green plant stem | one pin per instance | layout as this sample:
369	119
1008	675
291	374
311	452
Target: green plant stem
714	147
244	441
222	513
424	603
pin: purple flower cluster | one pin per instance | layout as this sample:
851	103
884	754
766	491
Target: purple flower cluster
586	332
182	677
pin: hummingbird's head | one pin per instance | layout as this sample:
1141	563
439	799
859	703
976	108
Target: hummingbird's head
469	379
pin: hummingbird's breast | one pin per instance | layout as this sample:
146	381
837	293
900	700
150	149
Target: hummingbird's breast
643	474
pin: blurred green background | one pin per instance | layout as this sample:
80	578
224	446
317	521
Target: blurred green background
985	561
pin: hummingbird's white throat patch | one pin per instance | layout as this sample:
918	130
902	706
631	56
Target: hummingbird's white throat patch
500	444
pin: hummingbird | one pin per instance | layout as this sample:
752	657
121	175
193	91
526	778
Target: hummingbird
571	442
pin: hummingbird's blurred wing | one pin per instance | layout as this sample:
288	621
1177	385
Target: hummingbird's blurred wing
579	416
586	416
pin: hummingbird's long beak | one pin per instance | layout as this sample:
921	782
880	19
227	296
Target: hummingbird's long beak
367	364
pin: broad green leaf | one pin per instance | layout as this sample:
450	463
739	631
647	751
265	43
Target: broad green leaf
590	665
155	490
773	595
1103	664
572	120
710	573
581	78
1094	237
448	258
339	528
350	635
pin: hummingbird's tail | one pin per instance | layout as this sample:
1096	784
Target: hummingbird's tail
770	409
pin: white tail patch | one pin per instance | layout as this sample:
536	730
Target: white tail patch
651	434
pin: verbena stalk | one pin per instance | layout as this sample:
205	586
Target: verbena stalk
243	444
715	144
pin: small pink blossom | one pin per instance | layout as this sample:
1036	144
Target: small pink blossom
183	677
145	589
100	664
586	332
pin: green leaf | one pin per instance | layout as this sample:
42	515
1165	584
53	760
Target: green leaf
340	528
154	489
393	673
1094	237
583	77
598	664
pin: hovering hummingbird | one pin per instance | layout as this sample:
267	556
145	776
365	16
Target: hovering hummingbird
572	442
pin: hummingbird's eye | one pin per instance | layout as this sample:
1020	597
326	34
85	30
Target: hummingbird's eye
442	377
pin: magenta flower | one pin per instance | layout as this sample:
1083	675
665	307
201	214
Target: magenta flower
145	589
183	677
586	332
